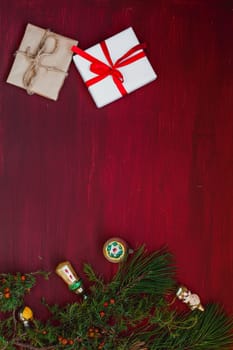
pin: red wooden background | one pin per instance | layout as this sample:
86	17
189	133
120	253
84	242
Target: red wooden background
155	167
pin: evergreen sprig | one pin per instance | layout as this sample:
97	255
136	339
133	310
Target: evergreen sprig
131	312
146	273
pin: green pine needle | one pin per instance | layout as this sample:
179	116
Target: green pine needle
146	273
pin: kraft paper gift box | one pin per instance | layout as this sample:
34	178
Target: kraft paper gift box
41	62
114	68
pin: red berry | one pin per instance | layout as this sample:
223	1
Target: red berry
102	313
106	304
112	301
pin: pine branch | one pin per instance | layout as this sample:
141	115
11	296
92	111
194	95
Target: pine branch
210	330
92	277
30	347
145	273
129	313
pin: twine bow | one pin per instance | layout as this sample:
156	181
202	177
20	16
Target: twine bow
35	60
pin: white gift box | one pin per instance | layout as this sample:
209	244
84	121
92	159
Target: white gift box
108	87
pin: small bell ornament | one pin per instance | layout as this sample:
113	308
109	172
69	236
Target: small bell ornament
192	300
26	316
116	250
66	271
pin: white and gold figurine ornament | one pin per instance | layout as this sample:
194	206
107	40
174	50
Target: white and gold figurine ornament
116	250
66	271
187	297
26	316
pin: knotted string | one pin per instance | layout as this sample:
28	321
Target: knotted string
35	60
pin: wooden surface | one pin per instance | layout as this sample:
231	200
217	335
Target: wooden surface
155	167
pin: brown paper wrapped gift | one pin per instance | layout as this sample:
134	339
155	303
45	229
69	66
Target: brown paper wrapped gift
41	62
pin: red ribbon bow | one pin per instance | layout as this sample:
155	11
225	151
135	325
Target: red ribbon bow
102	70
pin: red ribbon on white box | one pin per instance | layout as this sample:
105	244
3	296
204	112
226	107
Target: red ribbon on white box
102	70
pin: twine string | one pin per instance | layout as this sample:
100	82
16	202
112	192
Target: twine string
35	60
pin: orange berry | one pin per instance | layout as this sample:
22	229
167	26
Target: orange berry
71	342
44	332
64	341
101	345
60	338
112	301
7	295
23	278
6	290
102	313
